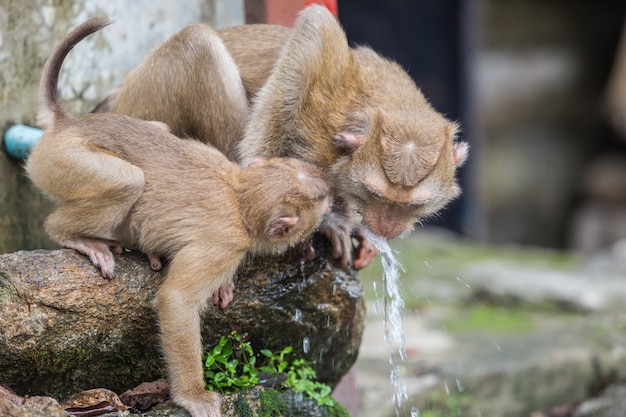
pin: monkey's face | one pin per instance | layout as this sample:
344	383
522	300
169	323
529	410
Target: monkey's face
292	198
395	181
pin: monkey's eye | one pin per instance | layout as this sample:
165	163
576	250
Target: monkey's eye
373	192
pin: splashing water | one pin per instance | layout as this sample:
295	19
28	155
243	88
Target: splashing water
393	305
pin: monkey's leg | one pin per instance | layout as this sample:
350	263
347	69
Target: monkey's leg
92	208
183	295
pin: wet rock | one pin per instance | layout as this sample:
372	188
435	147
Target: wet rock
254	402
258	402
66	329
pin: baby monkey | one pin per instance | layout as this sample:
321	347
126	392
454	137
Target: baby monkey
122	182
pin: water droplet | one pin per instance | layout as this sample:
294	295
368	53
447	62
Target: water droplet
496	343
463	282
427	265
459	385
446	387
306	345
297	315
415	412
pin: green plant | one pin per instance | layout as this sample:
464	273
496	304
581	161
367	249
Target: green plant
232	366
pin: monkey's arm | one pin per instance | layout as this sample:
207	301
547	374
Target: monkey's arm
195	273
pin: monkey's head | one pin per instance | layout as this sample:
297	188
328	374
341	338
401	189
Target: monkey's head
398	170
283	201
391	157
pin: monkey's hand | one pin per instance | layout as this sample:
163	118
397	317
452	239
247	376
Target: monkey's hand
99	252
365	251
340	230
224	295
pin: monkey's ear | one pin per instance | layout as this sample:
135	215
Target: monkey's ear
459	153
348	142
281	226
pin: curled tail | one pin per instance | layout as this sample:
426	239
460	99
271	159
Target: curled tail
51	107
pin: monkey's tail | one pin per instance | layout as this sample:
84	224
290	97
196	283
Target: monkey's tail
51	107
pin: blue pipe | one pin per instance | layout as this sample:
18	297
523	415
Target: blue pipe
19	140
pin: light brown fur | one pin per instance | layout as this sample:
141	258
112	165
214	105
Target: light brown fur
123	182
390	156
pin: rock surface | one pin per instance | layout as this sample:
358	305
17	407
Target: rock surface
254	402
66	329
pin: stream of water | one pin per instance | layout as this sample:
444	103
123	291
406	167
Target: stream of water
393	306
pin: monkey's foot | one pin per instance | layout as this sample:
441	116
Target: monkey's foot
155	262
202	404
99	252
224	295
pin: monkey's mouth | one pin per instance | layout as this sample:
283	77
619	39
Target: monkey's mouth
387	221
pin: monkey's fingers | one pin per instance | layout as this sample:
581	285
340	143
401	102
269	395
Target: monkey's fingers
338	229
155	262
224	295
365	251
116	247
98	252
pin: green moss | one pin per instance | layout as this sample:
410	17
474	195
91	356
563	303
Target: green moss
496	319
337	410
446	405
242	408
273	405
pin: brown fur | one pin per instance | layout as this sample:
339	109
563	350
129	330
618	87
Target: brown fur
220	119
124	182
391	157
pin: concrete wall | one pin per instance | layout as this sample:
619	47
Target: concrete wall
29	29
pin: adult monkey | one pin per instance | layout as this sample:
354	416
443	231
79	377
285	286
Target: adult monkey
390	156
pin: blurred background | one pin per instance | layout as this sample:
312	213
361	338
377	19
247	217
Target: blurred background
529	82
